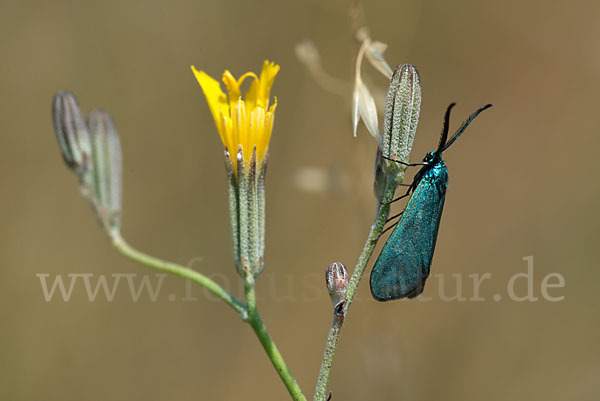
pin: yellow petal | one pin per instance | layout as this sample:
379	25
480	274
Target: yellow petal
216	99
244	122
246	75
259	131
267	77
262	145
258	94
233	89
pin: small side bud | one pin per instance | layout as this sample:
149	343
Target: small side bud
337	279
401	117
107	160
72	133
380	181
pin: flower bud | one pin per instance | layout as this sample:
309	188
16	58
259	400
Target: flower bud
336	279
401	117
107	160
92	150
72	133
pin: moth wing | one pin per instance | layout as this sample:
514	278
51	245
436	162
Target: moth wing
404	262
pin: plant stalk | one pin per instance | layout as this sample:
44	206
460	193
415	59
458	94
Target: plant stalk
381	216
255	321
178	270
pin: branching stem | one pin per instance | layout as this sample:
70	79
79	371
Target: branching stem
178	270
248	313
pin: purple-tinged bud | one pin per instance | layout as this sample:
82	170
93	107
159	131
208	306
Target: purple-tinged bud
337	279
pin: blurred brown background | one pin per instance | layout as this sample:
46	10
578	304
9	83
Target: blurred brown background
524	181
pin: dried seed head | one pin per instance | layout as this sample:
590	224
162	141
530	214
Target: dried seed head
363	107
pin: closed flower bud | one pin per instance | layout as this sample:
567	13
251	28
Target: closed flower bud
337	279
107	160
72	133
93	151
401	117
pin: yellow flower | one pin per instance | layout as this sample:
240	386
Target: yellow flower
244	122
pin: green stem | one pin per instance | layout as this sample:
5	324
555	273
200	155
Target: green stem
332	340
383	212
269	346
334	334
248	313
181	271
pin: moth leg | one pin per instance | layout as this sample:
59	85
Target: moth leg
394	216
392	226
398	198
403	163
